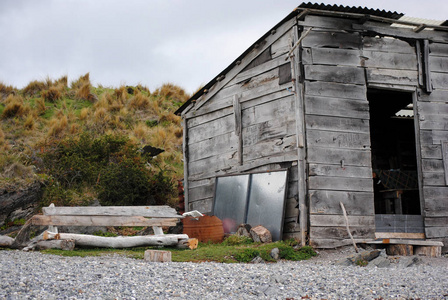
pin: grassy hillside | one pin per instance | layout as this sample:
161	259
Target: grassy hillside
81	141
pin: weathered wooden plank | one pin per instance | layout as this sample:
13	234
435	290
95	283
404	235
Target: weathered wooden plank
340	233
283	44
340	74
438	63
332	39
68	220
204	206
268	111
432	165
275	129
436	232
162	211
337	123
270	147
432	108
398	235
391	76
284	74
399	223
341	157
200	182
433	136
291	210
431	151
339	220
333	243
260	69
213	146
334	89
434	179
327	202
435	96
439	80
435	222
338	171
331	23
193	121
327	106
201	192
335	57
398	61
210	129
336	139
435	207
340	184
437	122
389	45
439	49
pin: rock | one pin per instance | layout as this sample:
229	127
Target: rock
380	262
361	259
275	253
409	261
6	241
257	260
19	204
261	234
244	230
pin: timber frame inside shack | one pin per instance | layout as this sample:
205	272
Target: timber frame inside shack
353	102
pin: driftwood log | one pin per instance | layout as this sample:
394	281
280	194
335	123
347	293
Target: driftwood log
55	244
84	240
157	256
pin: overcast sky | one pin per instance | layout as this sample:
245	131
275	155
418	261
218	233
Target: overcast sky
146	41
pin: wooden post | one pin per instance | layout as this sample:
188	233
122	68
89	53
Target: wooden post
157	256
300	132
185	150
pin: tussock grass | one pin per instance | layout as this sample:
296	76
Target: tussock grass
14	107
6	90
2	137
34	88
139	101
29	122
84	113
52	94
169	90
58	126
80	81
40	106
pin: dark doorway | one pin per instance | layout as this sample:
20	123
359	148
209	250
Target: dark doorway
394	159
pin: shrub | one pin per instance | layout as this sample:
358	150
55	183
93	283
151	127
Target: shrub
233	240
246	255
52	94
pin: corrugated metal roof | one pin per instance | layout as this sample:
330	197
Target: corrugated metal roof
417	21
353	9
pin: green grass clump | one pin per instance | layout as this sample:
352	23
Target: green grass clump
234	239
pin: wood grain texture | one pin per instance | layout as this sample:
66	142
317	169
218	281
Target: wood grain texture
338	171
388	45
67	220
162	211
332	39
334	139
337	123
341	74
340	157
340	184
339	220
327	202
334	89
392	76
327	106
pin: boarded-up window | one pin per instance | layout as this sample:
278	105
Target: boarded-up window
284	74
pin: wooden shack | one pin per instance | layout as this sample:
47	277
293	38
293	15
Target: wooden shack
353	102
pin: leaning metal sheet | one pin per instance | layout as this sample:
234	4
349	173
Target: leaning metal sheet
230	203
267	202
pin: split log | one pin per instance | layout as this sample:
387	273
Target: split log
84	240
55	244
157	256
6	241
261	234
188	243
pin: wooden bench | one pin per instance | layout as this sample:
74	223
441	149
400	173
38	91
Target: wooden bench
146	216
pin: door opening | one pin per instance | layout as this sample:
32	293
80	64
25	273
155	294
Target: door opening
394	159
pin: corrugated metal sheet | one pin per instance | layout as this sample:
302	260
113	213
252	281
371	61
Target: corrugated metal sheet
353	9
417	21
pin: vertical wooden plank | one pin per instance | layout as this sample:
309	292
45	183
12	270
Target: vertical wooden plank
445	159
300	131
418	50
238	127
426	70
185	150
418	150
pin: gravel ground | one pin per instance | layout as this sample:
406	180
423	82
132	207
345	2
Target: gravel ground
32	275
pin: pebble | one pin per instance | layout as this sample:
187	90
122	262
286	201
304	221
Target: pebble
33	275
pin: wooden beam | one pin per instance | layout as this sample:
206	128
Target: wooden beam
67	220
445	159
160	211
186	160
426	69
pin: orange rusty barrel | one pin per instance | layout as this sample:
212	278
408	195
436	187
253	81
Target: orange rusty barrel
205	228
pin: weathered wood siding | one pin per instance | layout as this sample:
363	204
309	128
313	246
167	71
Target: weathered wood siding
433	120
258	133
337	134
